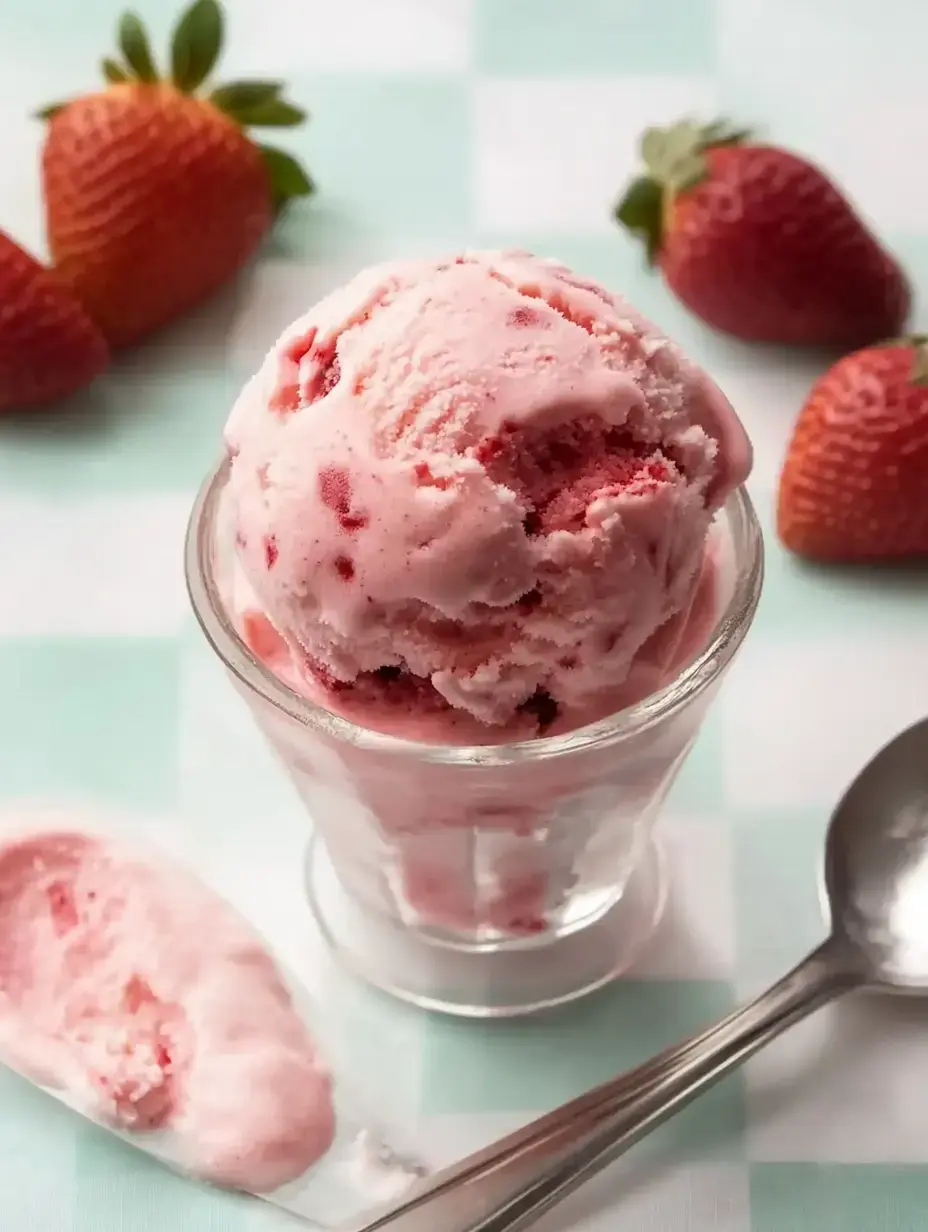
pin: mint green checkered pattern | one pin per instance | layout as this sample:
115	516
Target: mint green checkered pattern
439	123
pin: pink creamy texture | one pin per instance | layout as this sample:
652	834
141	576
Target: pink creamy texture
127	982
472	499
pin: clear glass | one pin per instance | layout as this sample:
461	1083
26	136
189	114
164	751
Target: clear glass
483	880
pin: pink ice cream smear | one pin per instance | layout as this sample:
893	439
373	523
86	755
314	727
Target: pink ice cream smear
472	499
127	982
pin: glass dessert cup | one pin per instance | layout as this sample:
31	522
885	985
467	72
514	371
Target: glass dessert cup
486	880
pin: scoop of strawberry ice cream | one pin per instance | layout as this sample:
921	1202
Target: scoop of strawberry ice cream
476	487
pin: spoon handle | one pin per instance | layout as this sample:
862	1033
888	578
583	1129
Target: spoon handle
507	1186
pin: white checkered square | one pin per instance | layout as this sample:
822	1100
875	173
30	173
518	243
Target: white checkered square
20	184
800	718
832	80
844	1087
95	567
26	84
695	939
351	36
891	188
553	155
793	51
636	1194
767	395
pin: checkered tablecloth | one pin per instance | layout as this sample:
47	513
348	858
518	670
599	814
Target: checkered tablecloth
439	123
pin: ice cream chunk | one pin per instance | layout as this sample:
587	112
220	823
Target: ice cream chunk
472	497
127	982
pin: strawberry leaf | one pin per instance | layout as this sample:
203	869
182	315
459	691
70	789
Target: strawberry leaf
114	72
47	113
236	95
134	45
273	114
674	155
682	139
196	45
653	142
640	212
288	179
686	173
722	133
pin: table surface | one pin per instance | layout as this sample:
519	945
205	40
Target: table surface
439	123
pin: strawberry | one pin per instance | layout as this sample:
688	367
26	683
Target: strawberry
855	482
49	347
154	194
760	243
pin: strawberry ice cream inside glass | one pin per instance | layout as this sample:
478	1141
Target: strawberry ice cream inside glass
478	557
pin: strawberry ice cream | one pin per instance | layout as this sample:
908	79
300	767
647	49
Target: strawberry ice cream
467	493
126	982
480	510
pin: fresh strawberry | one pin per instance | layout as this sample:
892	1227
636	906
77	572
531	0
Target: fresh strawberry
155	195
855	482
760	243
49	347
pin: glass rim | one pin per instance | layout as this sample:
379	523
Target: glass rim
727	635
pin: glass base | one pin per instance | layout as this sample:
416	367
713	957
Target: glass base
487	982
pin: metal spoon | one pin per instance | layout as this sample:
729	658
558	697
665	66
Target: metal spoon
876	883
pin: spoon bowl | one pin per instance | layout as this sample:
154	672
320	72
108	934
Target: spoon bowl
876	865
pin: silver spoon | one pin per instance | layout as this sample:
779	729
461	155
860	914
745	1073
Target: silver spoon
876	883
